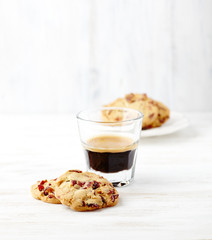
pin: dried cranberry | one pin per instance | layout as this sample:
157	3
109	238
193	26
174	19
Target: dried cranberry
45	193
95	185
40	187
113	197
151	115
81	184
83	203
93	205
89	184
49	184
130	97
77	171
161	120
42	182
103	200
51	196
111	191
48	190
116	196
74	182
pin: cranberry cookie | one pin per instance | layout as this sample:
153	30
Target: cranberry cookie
138	102
44	191
163	114
85	191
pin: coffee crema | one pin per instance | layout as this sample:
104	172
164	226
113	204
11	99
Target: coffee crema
110	153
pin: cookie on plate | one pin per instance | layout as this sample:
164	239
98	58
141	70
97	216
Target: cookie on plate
138	102
143	104
45	191
163	113
85	191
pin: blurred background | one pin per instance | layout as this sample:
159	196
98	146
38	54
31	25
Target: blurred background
60	56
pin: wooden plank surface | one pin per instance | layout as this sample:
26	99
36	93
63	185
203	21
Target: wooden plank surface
171	197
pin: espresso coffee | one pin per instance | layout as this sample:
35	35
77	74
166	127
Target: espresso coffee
109	154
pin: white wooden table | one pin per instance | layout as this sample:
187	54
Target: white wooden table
171	197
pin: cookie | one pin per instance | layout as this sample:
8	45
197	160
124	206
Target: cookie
85	191
138	102
163	114
141	103
45	191
114	115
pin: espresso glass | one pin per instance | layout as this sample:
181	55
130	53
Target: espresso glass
110	139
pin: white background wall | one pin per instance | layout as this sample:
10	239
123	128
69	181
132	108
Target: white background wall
59	56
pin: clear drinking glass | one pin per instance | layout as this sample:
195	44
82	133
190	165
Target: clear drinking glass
110	138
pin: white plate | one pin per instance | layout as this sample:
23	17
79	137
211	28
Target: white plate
176	122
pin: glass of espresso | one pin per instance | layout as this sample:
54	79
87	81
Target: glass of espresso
110	138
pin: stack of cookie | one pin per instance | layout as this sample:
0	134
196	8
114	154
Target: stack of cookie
81	191
155	113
